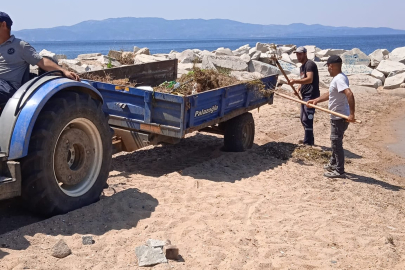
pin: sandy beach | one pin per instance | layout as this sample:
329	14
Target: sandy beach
261	209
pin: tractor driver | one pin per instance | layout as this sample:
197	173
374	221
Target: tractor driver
15	57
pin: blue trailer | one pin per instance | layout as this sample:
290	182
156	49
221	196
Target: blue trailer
57	136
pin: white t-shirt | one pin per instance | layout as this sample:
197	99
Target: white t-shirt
337	99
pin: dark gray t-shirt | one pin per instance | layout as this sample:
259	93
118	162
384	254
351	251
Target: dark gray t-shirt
15	57
310	91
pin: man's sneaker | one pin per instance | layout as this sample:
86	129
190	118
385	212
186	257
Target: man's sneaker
329	167
334	174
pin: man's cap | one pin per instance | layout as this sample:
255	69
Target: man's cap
5	18
300	50
334	59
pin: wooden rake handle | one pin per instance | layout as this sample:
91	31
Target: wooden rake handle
286	77
316	107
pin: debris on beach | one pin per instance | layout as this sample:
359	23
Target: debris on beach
287	151
156	252
309	153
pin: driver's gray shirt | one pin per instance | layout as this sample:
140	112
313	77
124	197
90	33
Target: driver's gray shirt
15	57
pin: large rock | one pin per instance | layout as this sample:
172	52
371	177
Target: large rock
70	62
115	54
365	80
89	56
312	48
283	80
245	57
161	55
143	58
51	55
394	80
262	47
324	77
136	49
294	58
188	66
287	49
223	51
320	64
398	55
285	57
355	57
311	52
205	53
105	60
388	66
126	56
356	69
378	75
242	50
74	65
265	58
60	56
263	68
289	68
256	55
329	52
143	51
252	51
246	76
227	62
188	56
377	56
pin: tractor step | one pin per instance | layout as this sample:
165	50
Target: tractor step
10	180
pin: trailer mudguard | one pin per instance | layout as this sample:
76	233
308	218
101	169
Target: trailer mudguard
20	114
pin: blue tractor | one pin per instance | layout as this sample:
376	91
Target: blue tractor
57	136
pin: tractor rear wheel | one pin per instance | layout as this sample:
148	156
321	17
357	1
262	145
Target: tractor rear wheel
69	155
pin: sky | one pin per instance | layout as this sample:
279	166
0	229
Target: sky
353	13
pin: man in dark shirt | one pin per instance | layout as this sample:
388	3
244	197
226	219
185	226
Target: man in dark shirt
309	90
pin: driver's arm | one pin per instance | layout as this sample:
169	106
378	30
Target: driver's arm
49	65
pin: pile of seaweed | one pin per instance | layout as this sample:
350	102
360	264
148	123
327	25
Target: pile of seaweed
196	81
107	79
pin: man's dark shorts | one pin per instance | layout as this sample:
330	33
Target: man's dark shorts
6	92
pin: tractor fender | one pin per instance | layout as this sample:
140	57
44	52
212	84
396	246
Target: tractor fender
21	112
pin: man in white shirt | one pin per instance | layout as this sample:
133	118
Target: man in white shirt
341	100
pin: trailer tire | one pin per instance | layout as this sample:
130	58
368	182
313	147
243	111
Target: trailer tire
69	155
239	133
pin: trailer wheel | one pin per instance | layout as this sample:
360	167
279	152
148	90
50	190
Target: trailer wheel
239	133
69	155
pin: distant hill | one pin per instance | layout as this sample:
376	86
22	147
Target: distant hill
157	28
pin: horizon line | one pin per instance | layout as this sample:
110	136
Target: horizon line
352	27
